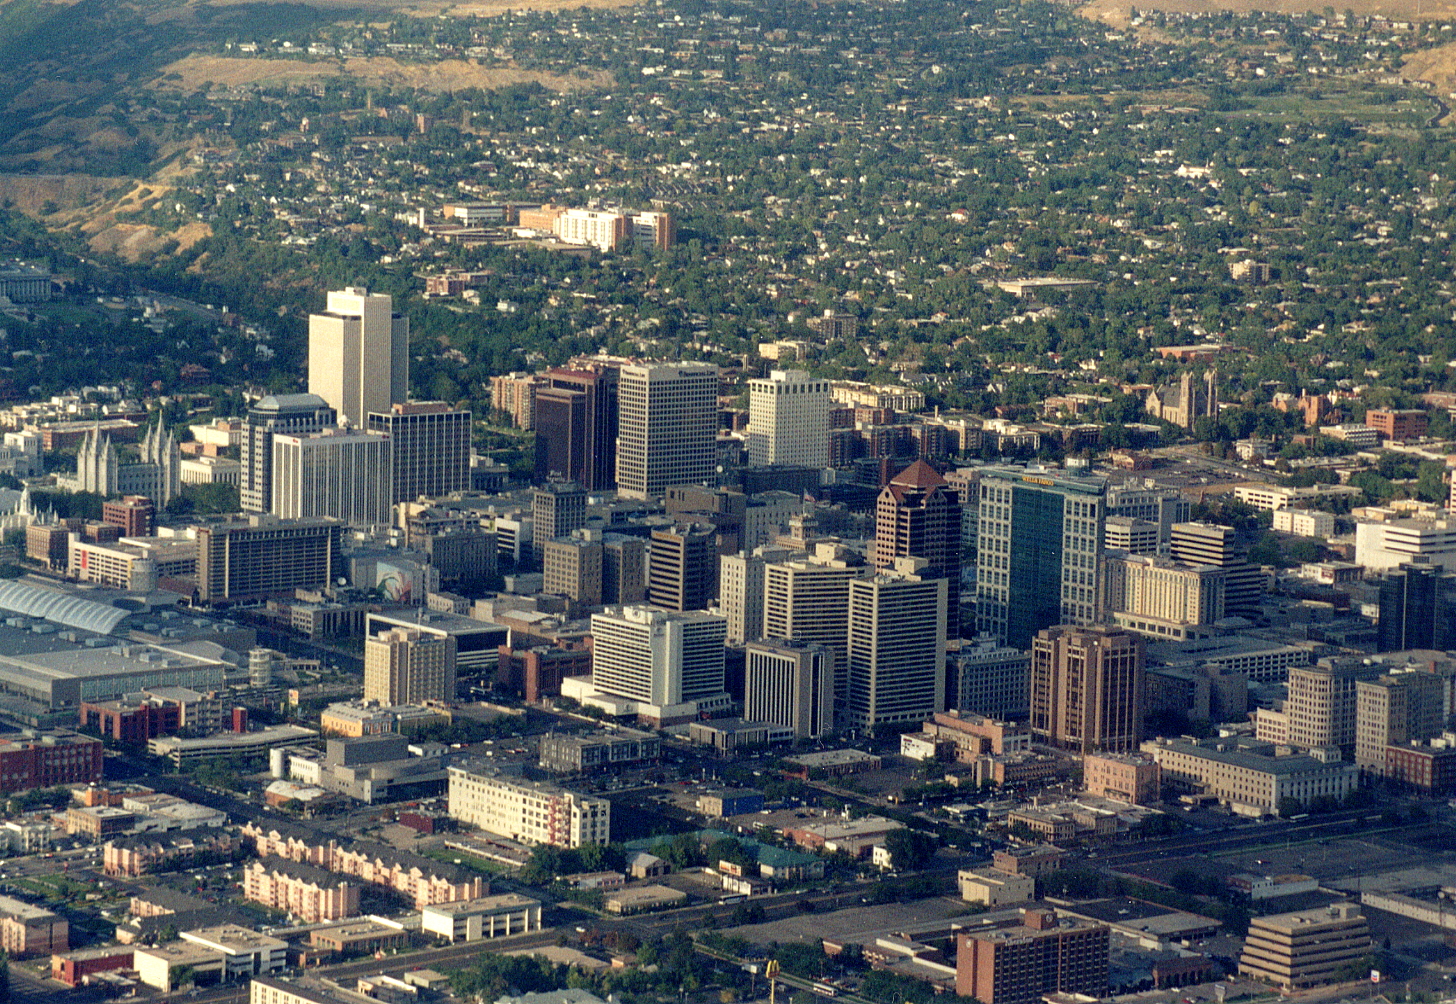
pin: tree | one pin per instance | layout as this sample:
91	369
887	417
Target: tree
910	849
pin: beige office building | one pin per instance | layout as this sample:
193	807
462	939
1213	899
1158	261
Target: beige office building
895	649
1159	597
405	666
358	354
1398	709
1251	777
572	567
1306	948
667	427
808	600
340	473
788	419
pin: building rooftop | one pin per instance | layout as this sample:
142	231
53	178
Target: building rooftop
486	904
18	909
234	939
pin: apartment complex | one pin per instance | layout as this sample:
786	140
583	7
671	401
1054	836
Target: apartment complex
527	811
302	890
405	666
421	880
30	930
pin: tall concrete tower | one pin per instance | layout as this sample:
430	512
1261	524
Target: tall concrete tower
358	354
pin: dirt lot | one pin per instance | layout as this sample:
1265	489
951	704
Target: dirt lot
446	75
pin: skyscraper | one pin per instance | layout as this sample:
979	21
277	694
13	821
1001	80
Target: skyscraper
263	555
405	666
286	414
682	567
557	509
1087	688
808	600
668	427
358	354
895	649
918	515
790	683
1038	548
1417	609
1211	544
657	657
429	449
339	472
576	427
788	420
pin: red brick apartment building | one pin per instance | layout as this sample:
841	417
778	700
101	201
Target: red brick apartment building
1017	965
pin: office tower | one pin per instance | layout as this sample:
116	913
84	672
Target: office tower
682	567
1306	948
277	414
1417	609
1130	534
557	509
657	657
1039	957
1321	701
1087	688
135	514
788	420
668	427
895	648
1038	551
918	515
475	644
1158	597
266	556
338	472
790	683
1396	709
808	600
576	427
724	509
358	354
1146	500
1211	544
429	449
989	678
403	666
624	569
572	567
740	590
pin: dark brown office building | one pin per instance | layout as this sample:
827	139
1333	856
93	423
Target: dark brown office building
918	515
576	428
682	568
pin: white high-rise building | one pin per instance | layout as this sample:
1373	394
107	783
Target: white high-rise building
358	354
788	420
338	472
895	669
667	427
657	657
